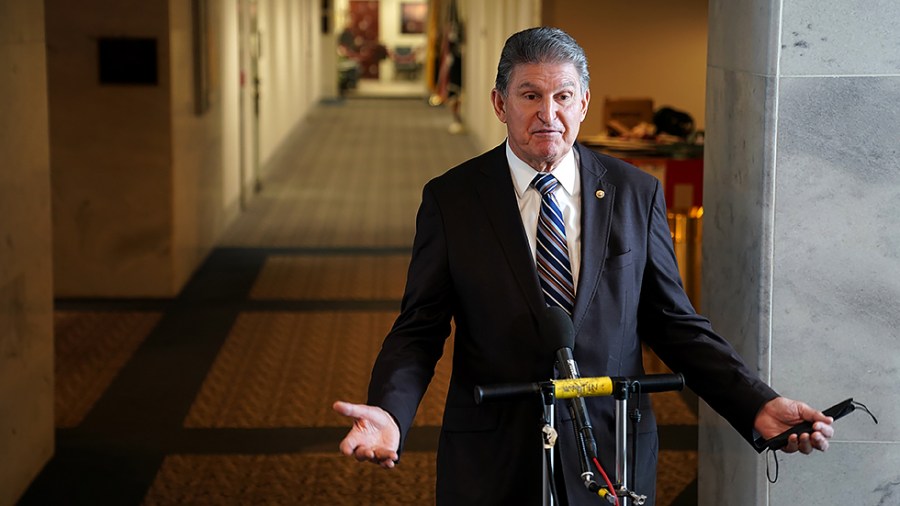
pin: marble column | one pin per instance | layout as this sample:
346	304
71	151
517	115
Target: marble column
802	236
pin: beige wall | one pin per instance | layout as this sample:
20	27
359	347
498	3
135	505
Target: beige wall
228	90
328	82
111	154
142	184
290	68
652	48
201	206
26	333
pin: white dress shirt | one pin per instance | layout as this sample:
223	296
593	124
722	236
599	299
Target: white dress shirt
567	194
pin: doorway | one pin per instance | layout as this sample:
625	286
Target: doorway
249	47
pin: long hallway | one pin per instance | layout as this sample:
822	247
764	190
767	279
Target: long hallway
223	395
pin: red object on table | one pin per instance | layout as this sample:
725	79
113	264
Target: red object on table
682	179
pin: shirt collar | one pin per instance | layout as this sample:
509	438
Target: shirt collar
566	172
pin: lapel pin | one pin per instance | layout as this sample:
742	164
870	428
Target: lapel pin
600	194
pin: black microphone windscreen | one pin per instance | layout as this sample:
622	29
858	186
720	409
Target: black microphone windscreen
556	328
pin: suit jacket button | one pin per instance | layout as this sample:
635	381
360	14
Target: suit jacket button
600	194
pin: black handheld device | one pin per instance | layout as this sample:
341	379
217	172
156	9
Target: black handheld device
837	411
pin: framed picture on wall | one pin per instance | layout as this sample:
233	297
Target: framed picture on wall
412	17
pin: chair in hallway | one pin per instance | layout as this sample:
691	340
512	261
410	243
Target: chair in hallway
406	62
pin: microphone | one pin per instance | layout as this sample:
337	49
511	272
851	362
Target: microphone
556	327
581	387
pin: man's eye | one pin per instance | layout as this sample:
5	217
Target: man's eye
530	96
565	97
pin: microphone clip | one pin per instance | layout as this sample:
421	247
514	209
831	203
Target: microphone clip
550	436
636	499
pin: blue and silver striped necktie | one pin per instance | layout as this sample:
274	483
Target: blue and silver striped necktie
554	268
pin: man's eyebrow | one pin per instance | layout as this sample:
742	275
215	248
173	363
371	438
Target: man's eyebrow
525	85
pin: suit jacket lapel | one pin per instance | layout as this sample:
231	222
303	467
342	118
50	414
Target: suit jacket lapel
497	194
597	198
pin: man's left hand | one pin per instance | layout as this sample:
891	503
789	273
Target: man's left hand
781	413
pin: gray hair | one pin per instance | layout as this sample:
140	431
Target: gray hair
540	45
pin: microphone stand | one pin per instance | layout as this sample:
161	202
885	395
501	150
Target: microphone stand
623	388
548	432
621	393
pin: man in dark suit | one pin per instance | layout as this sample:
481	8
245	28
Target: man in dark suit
479	258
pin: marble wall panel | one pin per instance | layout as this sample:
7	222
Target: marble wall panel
840	37
849	473
729	470
837	247
736	260
737	203
821	241
743	36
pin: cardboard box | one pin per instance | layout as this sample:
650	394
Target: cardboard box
626	113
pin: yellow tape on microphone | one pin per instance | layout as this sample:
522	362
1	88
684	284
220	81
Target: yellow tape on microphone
582	387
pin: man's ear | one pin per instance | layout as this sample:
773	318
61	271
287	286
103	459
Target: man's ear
499	104
585	100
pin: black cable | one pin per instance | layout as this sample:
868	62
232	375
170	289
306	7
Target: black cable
769	476
636	420
863	407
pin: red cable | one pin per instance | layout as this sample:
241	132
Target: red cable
612	489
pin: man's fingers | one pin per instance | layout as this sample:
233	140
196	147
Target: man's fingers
826	429
385	458
364	454
360	412
348	409
355	443
813	415
349	445
339	407
819	442
804	444
383	454
371	434
792	444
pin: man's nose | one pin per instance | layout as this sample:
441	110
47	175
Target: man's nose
547	110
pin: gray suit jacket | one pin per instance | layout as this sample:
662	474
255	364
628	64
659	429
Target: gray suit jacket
471	262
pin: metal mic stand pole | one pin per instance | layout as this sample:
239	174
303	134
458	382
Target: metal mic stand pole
548	434
622	390
620	394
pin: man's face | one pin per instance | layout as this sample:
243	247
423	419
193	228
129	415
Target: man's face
543	111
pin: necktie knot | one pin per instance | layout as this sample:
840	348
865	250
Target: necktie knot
545	183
